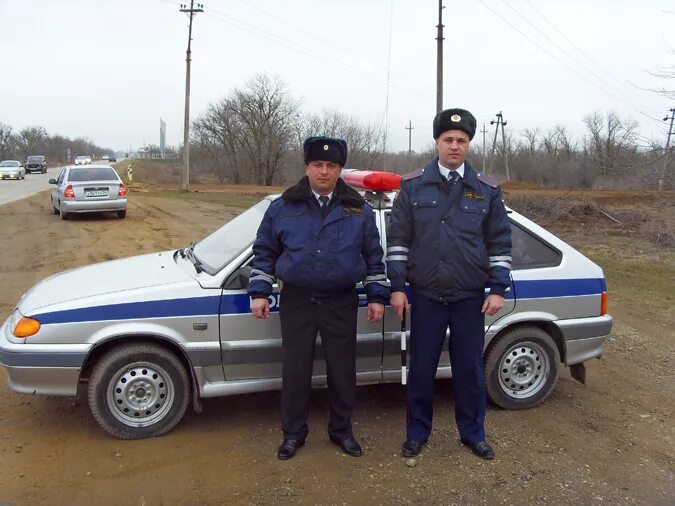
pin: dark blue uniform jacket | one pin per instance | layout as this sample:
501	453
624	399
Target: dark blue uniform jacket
449	244
296	245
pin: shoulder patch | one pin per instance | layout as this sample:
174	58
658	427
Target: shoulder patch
488	180
413	174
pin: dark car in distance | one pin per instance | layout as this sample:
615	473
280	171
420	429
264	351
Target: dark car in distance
36	163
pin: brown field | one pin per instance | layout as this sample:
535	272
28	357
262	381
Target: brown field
609	441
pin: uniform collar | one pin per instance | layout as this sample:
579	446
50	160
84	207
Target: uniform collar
432	175
445	171
302	191
316	196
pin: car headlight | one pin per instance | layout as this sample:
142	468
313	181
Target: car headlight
23	326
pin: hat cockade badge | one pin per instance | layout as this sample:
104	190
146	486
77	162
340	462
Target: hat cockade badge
455	118
325	147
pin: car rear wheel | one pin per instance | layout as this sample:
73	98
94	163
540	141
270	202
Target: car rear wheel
521	368
139	391
122	214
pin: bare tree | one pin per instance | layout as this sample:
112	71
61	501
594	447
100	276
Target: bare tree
365	141
32	140
254	128
610	140
8	142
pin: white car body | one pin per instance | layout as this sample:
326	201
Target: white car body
186	314
12	169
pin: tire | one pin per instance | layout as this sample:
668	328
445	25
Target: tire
147	371
54	210
521	368
64	215
122	214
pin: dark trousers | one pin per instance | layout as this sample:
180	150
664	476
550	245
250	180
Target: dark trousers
429	321
334	317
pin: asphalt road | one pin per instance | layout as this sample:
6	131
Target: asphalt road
17	189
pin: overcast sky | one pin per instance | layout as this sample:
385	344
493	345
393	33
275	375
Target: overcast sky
109	69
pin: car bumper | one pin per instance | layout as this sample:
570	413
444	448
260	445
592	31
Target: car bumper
10	176
583	337
41	368
93	206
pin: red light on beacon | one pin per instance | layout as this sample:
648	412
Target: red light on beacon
68	192
122	191
373	180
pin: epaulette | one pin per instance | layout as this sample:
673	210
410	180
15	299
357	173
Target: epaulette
413	174
488	180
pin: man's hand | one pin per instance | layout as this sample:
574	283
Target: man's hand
260	308
492	304
399	300
375	311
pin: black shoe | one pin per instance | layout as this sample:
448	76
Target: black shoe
412	447
482	449
288	448
349	445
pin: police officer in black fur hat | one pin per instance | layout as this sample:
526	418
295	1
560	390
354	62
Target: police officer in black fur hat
320	239
450	239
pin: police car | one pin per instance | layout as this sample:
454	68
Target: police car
151	334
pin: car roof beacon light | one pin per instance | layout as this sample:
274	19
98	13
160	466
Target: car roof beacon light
373	180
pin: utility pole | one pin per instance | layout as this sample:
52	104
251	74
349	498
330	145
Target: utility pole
439	59
190	11
500	123
665	151
409	128
670	129
484	131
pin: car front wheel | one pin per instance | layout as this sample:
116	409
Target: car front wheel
521	368
139	391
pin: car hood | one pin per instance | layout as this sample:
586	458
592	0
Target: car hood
104	278
10	169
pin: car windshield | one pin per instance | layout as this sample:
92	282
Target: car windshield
92	174
9	163
34	159
221	247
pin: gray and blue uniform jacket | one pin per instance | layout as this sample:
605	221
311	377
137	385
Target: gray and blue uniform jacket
449	242
296	245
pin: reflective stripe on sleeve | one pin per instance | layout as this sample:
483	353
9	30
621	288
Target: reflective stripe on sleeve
402	258
500	258
501	264
397	249
258	275
376	278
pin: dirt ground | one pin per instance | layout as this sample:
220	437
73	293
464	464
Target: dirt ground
609	441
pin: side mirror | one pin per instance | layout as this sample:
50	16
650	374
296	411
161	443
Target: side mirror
52	181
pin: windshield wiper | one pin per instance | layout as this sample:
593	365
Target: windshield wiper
189	253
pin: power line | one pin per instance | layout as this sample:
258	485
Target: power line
600	78
561	61
223	17
331	42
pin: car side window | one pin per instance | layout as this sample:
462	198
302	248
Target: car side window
61	176
531	252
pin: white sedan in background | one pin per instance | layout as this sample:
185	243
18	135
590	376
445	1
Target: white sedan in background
12	169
